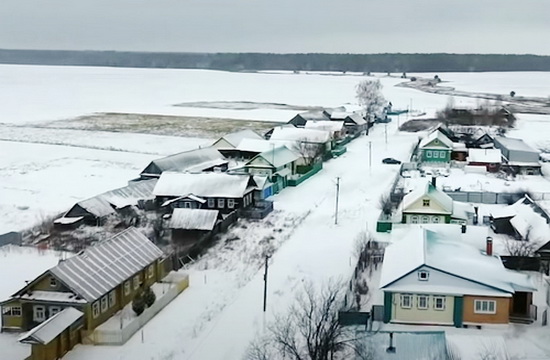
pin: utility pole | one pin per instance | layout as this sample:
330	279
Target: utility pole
370	155
386	134
337	195
265	280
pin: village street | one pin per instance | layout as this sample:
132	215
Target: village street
217	316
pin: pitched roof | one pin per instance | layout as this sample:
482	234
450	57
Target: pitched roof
409	345
343	115
452	256
193	161
51	328
193	219
484	155
432	192
300	134
325	125
97	270
436	134
528	219
105	204
203	184
235	138
277	157
314	115
514	144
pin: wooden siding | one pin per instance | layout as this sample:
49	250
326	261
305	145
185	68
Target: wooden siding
12	322
422	316
44	284
500	317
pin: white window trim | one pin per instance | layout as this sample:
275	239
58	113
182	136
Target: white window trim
39	310
231	203
425	219
12	311
151	271
436	154
421	273
436	219
426	202
127	288
476	311
414	219
211	203
54	310
428	153
443	303
53	282
402	300
221	203
112	298
95	309
136	282
426	302
104	304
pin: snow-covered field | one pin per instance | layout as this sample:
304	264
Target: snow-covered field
221	311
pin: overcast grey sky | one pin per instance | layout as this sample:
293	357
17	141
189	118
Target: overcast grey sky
354	26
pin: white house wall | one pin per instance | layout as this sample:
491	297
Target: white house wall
417	207
416	315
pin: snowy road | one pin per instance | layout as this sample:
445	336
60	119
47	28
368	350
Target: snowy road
217	317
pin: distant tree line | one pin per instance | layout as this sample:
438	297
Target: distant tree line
387	63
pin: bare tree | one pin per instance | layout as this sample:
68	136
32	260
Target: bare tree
524	247
309	331
310	152
369	96
385	204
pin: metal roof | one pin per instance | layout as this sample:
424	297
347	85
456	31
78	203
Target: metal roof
235	138
193	219
51	328
277	157
431	191
514	144
436	134
326	125
193	160
484	155
97	270
300	134
203	185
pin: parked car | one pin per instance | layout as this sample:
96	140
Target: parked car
391	161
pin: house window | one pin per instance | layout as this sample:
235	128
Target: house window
104	304
436	219
112	298
221	203
39	313
426	202
439	302
136	282
12	311
53	282
231	203
406	301
127	288
425	219
95	309
414	219
151	271
54	310
428	153
422	302
423	275
211	203
187	205
485	306
436	154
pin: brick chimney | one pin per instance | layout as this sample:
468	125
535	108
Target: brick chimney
489	247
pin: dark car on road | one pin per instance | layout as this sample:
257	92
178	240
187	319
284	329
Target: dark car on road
391	161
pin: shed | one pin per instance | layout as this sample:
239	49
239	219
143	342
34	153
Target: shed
198	160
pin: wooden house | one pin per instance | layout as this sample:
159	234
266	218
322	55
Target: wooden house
488	158
198	160
189	226
335	128
95	210
429	205
95	283
279	164
519	157
353	122
222	191
227	144
431	279
435	148
301	119
307	142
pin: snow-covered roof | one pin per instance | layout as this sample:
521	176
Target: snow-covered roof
436	134
408	345
235	138
105	204
97	270
53	296
261	181
325	125
340	115
300	134
68	220
51	328
203	185
514	144
188	196
356	118
314	115
254	145
432	192
278	156
450	255
193	219
527	219
484	155
193	161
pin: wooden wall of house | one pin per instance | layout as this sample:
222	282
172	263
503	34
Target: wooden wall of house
10	322
45	284
500	317
187	237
